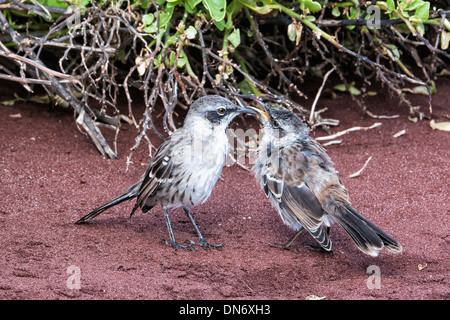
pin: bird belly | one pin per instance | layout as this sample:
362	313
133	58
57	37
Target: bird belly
199	177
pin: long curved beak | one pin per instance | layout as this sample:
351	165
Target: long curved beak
246	110
262	111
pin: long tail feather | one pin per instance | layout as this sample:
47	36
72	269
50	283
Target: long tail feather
367	237
322	237
128	195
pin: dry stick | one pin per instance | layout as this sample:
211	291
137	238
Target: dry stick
271	93
60	89
313	107
25	80
400	133
38	65
340	133
37	8
357	173
276	66
329	143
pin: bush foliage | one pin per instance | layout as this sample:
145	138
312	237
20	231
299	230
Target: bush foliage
84	53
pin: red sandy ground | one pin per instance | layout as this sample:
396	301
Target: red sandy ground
51	175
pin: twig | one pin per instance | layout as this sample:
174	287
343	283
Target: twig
340	133
400	133
25	80
358	173
329	143
38	65
313	107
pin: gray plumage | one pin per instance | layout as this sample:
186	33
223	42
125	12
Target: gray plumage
186	166
303	186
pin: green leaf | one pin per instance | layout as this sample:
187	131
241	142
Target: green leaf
9	102
191	33
54	3
244	87
443	126
421	29
335	12
313	6
414	5
150	29
235	38
220	25
390	5
193	3
392	52
445	39
165	16
314	297
216	8
423	11
340	87
354	91
172	58
233	8
292	32
190	5
424	90
147	19
351	88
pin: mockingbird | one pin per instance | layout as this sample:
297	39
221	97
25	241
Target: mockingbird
300	180
186	166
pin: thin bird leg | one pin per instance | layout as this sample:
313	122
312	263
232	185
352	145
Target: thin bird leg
173	242
288	243
202	242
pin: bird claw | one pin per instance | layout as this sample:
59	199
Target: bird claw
317	248
205	245
276	244
190	245
177	246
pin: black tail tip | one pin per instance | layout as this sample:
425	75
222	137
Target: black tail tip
81	221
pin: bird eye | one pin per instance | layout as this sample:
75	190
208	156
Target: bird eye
275	124
221	111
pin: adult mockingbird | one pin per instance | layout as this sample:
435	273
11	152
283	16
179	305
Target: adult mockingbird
186	166
300	180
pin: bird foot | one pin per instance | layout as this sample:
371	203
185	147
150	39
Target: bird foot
177	246
317	248
205	245
285	246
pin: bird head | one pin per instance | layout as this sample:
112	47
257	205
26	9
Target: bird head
214	111
280	125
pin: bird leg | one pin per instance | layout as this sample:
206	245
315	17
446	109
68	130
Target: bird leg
173	242
288	243
202	242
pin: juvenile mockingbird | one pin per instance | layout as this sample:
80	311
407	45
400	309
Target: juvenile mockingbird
300	180
186	166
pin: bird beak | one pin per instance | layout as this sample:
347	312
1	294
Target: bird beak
246	110
262	111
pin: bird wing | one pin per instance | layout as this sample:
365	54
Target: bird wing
285	179
159	171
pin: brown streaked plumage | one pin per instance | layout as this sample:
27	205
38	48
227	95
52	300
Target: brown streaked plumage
299	178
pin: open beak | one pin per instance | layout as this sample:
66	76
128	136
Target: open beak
262	110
